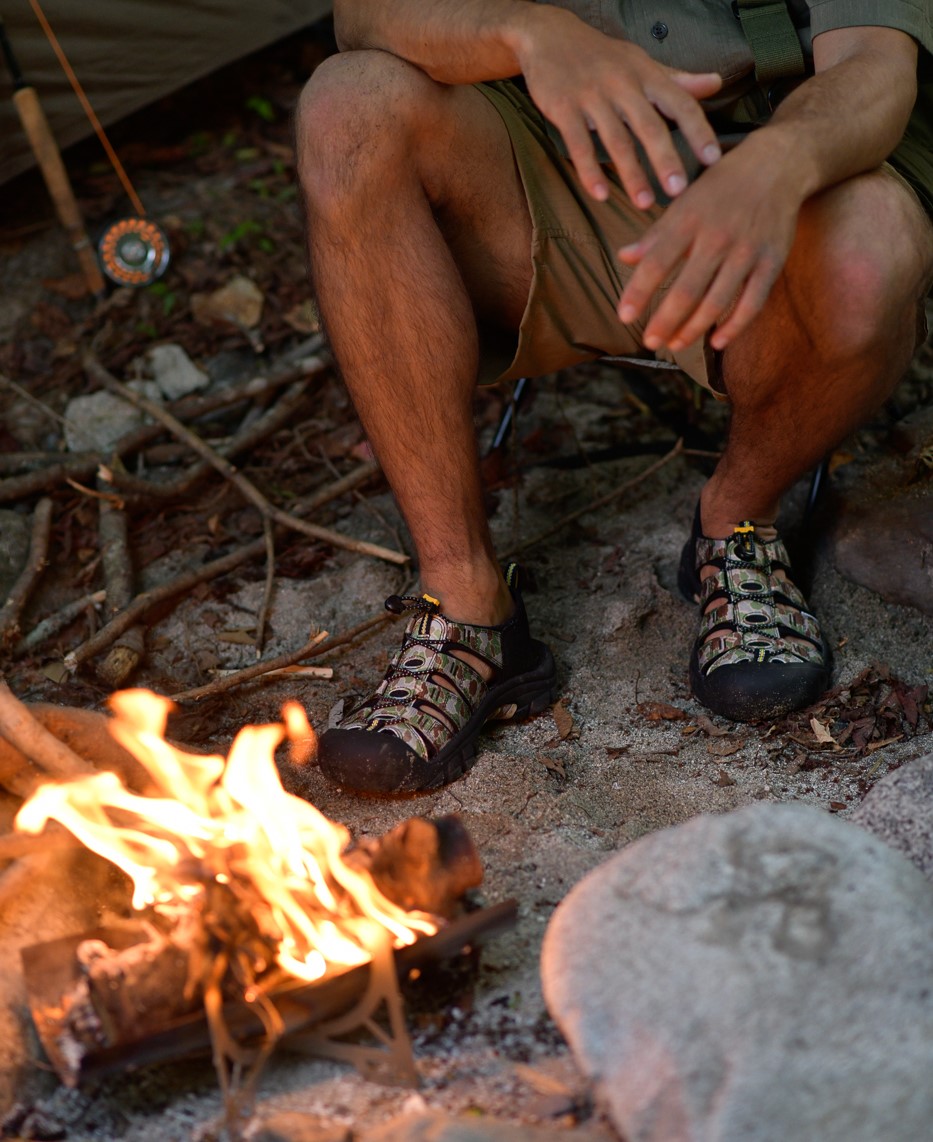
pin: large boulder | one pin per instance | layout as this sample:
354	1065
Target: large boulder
899	810
754	977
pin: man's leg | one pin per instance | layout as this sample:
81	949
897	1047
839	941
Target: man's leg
418	226
835	337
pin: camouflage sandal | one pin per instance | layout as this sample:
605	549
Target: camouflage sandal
759	652
418	731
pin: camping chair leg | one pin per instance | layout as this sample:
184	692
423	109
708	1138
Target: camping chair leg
508	416
818	483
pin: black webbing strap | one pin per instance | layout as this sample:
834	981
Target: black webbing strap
773	39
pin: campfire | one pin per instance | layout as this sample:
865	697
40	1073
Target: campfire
256	918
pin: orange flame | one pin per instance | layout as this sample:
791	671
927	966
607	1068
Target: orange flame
222	819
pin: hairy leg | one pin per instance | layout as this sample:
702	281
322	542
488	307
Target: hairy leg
834	339
418	228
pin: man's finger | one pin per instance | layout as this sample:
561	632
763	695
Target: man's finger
654	263
750	304
576	136
682	107
617	140
655	136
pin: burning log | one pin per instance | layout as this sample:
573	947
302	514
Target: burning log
251	897
127	993
422	865
53	971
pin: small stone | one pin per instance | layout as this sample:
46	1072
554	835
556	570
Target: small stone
174	371
95	423
899	811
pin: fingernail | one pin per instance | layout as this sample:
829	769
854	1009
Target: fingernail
712	152
652	341
675	345
644	199
676	183
600	192
626	313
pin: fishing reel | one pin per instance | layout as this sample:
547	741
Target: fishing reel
133	252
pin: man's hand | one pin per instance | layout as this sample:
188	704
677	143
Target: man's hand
724	243
584	81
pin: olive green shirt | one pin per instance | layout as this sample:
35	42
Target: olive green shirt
707	35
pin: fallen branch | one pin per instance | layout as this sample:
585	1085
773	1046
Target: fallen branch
57	621
33	740
83	465
125	655
271	421
245	487
311	649
35	564
601	502
191	579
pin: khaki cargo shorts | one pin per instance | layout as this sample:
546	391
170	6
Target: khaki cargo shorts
577	280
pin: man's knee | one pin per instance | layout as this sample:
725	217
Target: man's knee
357	109
863	257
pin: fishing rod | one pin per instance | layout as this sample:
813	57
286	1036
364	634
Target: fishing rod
134	250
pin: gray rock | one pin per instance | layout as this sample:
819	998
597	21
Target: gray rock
888	547
14	549
97	421
174	371
756	977
441	1128
899	810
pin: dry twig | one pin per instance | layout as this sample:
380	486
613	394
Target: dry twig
83	465
191	579
31	738
35	564
312	649
601	501
245	487
244	442
57	621
124	656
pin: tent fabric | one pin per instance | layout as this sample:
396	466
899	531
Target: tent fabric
128	53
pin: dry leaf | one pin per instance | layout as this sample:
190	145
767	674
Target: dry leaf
237	303
238	636
303	318
725	749
661	711
822	734
55	671
723	778
709	728
554	765
563	719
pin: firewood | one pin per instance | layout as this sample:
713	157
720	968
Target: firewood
422	865
84	734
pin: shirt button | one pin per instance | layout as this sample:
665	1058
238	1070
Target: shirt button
659	30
